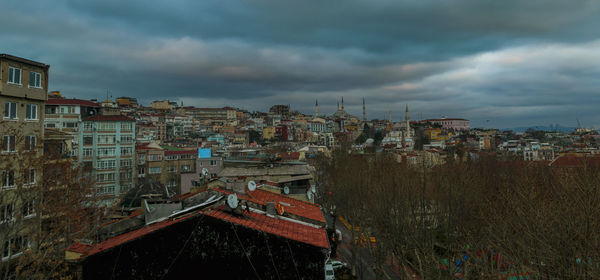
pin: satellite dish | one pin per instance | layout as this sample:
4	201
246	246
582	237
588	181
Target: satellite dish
232	201
252	186
286	190
313	189
309	195
204	171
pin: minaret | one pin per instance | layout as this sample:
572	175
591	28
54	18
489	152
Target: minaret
342	103
407	123
391	121
364	111
316	108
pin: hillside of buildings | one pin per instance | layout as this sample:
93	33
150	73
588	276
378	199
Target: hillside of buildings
100	189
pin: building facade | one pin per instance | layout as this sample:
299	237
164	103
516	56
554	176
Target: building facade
107	149
23	91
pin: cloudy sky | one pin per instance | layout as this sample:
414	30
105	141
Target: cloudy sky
498	63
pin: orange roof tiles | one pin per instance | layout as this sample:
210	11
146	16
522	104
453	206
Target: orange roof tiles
287	229
297	207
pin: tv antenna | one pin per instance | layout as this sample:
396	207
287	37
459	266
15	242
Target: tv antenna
252	186
286	190
232	201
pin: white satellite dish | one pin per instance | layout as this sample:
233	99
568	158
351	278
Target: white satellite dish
204	171
232	201
313	189
286	190
309	195
252	186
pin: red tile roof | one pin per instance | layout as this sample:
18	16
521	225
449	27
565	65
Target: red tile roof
113	118
575	161
297	207
89	250
287	229
64	101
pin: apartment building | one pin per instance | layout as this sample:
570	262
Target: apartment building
23	91
107	147
157	164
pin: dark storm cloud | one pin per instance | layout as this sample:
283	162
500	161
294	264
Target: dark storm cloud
509	61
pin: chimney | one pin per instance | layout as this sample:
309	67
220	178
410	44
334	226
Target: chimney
271	208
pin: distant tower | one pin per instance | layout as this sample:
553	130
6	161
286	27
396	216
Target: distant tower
316	108
407	123
342	103
391	121
364	111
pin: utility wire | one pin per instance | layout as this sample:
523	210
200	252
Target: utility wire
246	254
271	255
293	260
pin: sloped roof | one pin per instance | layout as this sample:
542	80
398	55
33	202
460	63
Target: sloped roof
275	171
291	230
65	101
296	207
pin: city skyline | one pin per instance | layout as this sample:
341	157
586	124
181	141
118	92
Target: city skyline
498	64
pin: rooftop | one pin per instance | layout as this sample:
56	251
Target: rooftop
115	118
65	101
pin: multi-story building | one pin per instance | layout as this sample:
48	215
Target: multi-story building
107	146
163	165
23	91
217	115
450	123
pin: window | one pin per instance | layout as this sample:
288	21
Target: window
106	139
31	112
8	178
213	162
171	157
106	189
142	171
69	124
35	79
105	177
126	151
106	126
88	140
106	152
105	164
14	246
30	142
10	110
125	163
154	170
88	126
8	144
29	176
14	75
7	212
172	184
87	152
126	126
172	168
28	209
125	175
126	139
154	157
